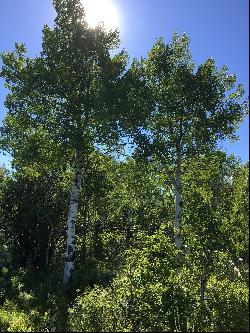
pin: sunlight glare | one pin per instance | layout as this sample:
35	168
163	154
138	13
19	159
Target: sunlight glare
101	11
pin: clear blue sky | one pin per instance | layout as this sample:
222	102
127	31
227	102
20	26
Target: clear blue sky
218	28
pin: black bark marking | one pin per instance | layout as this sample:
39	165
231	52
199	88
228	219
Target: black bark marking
70	249
72	201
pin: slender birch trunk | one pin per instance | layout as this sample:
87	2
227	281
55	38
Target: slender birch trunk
72	215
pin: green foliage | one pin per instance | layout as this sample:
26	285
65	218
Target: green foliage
30	204
133	286
130	295
5	264
227	305
13	320
66	98
147	295
218	223
19	319
77	96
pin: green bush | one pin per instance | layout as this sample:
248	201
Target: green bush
146	295
14	320
228	305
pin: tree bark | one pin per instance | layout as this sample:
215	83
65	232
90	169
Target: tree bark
72	215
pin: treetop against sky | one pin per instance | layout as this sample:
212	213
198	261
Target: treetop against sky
217	28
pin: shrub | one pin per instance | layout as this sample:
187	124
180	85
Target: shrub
227	304
146	295
14	320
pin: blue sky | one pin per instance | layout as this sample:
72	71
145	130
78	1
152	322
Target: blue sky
218	28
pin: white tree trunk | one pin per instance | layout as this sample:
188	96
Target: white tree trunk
72	215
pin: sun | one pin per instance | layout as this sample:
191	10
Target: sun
101	11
